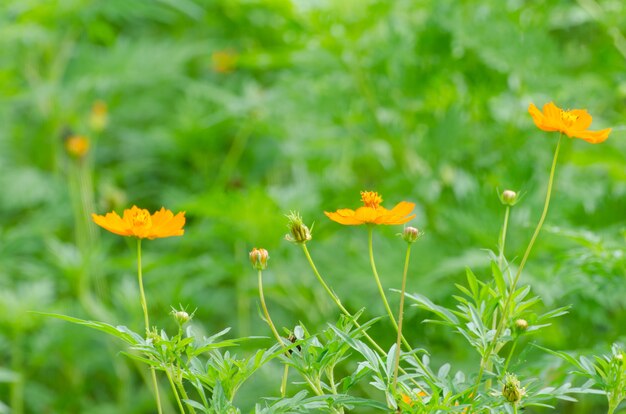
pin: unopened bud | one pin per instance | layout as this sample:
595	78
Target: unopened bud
411	234
77	146
181	317
521	325
508	198
512	390
258	258
619	359
298	231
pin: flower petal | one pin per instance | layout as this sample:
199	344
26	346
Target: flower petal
168	224
113	223
343	216
593	137
542	121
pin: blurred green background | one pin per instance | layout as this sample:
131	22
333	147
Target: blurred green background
238	112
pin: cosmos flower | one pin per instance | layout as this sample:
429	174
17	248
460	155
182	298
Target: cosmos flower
373	213
139	223
573	123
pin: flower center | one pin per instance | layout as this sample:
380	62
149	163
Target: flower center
141	218
568	117
371	199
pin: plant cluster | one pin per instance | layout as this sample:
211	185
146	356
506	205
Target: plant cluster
493	314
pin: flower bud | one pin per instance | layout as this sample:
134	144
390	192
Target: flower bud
181	317
619	359
508	198
77	146
521	325
298	231
512	390
258	258
411	234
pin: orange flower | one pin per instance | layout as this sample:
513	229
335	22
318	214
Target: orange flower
373	212
573	123
77	146
139	223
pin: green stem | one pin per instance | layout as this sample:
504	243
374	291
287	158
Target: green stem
283	384
380	286
144	307
508	359
505	226
180	404
401	314
509	298
268	319
349	315
181	387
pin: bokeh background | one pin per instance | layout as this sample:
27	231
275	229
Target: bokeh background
238	112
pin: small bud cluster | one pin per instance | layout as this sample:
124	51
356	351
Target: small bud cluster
298	231
259	258
512	390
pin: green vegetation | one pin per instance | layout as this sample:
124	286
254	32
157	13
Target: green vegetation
239	112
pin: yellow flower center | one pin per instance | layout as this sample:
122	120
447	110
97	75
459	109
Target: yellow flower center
371	199
568	117
141	219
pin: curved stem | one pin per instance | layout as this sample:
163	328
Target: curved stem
268	319
509	298
144	307
375	272
401	314
349	315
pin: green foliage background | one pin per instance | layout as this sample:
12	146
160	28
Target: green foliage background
420	100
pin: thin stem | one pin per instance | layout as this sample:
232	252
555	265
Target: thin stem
349	315
180	404
541	220
508	359
142	295
507	303
283	384
375	272
144	306
380	287
401	314
505	226
181	387
514	408
266	313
